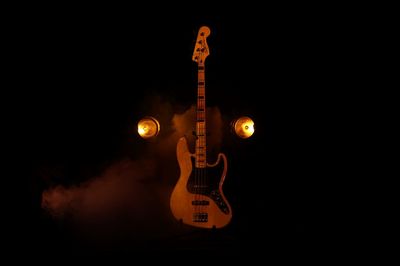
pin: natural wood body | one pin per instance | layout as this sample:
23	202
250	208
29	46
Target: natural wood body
181	198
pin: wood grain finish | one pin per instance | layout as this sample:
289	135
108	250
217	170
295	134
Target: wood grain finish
181	199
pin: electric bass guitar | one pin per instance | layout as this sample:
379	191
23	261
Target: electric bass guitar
197	198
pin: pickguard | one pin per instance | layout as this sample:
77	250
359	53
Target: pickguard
205	181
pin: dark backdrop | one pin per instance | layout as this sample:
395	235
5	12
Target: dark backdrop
83	83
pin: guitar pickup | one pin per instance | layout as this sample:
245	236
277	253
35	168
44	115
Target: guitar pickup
200	202
200	217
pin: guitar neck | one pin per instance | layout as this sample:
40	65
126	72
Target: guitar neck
201	160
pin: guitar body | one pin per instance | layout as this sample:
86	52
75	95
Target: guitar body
197	198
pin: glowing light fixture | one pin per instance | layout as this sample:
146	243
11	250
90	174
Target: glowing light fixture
148	127
243	127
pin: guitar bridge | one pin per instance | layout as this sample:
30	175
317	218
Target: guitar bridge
200	217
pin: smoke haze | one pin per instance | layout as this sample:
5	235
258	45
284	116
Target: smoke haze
131	196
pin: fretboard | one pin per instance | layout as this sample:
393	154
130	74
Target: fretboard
201	160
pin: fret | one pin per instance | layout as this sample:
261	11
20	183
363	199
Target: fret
201	144
200	141
200	127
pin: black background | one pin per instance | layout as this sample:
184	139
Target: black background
81	80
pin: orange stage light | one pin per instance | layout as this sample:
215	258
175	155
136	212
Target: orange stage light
243	127
148	127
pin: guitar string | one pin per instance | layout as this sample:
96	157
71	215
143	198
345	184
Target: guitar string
198	144
204	136
202	144
204	133
201	164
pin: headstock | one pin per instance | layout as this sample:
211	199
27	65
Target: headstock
201	50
